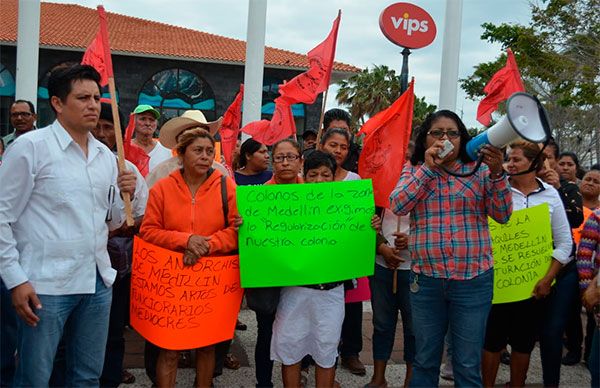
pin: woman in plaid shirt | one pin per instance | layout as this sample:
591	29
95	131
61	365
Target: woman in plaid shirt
452	278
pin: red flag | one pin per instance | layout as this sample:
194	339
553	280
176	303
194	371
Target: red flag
306	86
281	126
230	128
502	85
98	52
384	147
134	153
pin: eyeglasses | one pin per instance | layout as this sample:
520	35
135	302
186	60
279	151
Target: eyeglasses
24	114
281	158
438	133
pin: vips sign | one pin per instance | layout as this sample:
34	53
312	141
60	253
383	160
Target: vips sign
183	307
407	25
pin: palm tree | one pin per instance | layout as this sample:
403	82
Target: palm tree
371	91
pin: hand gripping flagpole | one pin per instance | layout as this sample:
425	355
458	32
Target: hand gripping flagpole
115	111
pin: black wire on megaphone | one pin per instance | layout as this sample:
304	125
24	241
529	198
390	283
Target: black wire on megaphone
533	167
536	160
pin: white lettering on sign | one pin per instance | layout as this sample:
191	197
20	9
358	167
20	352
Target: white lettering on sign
410	25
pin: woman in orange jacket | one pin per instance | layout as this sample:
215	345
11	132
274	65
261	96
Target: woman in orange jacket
192	211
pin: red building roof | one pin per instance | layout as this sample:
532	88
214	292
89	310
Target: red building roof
74	26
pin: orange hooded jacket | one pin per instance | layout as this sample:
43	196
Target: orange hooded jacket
172	215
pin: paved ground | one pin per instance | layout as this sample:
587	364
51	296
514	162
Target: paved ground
243	348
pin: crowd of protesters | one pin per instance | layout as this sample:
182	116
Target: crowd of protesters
65	249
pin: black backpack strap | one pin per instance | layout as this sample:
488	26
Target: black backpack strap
224	199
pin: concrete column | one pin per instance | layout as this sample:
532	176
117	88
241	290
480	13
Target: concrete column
450	55
28	48
255	61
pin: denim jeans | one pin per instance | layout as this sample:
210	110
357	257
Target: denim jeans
84	320
8	337
112	373
385	313
459	306
554	320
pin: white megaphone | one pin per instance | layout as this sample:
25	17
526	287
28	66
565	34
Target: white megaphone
525	119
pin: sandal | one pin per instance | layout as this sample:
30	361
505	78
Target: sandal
231	362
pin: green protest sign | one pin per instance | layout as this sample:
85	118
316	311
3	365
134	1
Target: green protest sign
299	234
522	250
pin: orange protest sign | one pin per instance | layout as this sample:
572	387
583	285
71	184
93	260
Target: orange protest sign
178	307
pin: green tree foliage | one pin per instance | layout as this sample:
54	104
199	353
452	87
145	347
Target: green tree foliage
558	55
373	90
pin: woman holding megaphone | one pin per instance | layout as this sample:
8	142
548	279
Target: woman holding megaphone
451	281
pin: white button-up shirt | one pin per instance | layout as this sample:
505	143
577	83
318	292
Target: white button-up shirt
54	203
561	231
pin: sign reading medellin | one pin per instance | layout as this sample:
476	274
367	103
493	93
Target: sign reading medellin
522	250
183	307
407	25
307	233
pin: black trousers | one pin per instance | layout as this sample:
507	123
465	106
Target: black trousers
352	344
262	351
574	329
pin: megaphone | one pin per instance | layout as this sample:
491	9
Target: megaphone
525	119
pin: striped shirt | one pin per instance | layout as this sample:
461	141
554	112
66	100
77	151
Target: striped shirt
449	234
588	252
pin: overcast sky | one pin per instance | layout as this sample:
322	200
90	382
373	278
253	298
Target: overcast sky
299	25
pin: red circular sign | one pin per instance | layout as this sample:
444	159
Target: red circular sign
407	25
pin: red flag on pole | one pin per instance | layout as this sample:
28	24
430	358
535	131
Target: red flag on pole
384	147
230	128
134	153
306	86
503	84
281	126
98	52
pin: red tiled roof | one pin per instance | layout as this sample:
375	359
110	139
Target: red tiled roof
74	26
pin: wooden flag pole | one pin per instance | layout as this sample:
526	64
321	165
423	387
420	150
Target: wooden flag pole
395	279
115	110
120	150
320	129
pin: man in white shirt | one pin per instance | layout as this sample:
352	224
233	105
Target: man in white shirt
59	197
146	122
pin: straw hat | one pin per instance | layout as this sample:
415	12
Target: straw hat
189	119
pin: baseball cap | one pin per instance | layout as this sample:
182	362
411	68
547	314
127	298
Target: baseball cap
146	108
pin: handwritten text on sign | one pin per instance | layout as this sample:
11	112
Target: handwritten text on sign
183	307
522	250
301	234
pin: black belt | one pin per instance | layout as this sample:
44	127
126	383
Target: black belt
324	286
